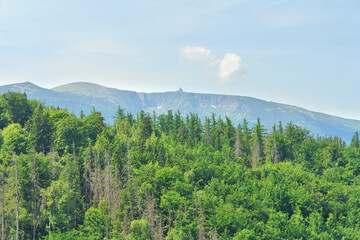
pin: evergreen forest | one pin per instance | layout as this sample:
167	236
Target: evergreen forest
170	177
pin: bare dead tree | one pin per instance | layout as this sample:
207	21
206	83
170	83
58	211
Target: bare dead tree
69	195
149	213
126	224
256	154
35	202
161	228
128	183
108	180
2	204
201	226
207	133
276	151
76	176
108	186
17	194
213	235
169	219
87	179
238	150
96	180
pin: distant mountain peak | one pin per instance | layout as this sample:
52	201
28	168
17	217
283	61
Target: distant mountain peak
88	89
27	87
77	85
84	96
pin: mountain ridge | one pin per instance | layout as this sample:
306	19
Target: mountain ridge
216	94
84	96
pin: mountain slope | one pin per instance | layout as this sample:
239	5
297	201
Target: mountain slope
65	100
85	96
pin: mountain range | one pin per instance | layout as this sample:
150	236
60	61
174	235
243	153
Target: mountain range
84	96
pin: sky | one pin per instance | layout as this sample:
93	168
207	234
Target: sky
297	52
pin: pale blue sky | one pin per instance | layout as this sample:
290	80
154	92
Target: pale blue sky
303	53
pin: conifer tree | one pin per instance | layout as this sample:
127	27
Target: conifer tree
355	142
207	139
246	138
238	142
17	194
41	130
257	144
2	202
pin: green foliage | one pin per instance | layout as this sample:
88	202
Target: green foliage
97	222
176	234
73	234
140	230
18	108
355	142
57	197
69	133
171	177
15	139
93	125
145	128
41	130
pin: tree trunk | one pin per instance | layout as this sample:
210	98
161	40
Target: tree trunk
108	173
34	199
151	214
276	155
17	197
97	181
161	229
3	206
238	150
68	200
169	220
201	227
87	180
53	161
128	185
256	154
75	187
50	219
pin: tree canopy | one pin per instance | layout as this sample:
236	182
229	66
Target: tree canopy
170	176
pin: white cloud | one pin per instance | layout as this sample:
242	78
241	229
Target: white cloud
228	67
195	53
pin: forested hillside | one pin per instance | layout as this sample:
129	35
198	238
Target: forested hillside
170	177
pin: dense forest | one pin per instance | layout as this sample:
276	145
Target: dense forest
170	177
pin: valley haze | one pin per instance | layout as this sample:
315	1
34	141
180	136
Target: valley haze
84	96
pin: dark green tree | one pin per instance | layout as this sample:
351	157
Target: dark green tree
69	132
145	128
41	130
257	144
17	107
93	125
